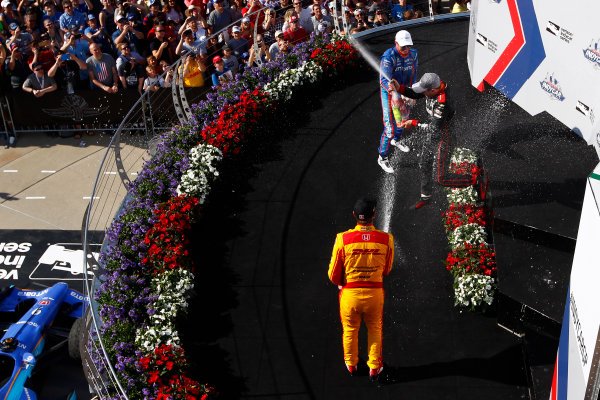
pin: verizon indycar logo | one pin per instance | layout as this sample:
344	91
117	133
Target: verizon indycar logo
552	87
481	39
553	28
487	43
585	110
592	53
556	30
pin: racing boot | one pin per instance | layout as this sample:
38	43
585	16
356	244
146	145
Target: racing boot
384	163
352	369
399	145
374	374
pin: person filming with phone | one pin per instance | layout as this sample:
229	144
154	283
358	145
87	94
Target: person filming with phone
65	72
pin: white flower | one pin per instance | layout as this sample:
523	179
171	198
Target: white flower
466	195
474	290
460	155
201	171
473	234
282	87
172	287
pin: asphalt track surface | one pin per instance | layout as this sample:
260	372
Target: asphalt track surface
266	321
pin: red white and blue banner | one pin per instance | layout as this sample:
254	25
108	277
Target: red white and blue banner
577	370
542	54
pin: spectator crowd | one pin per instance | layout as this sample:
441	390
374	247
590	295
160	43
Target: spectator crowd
114	45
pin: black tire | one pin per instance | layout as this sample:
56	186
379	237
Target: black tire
74	335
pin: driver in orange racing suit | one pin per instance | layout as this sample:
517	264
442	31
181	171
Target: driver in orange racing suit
361	257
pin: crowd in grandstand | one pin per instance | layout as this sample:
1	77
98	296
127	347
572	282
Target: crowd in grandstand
113	45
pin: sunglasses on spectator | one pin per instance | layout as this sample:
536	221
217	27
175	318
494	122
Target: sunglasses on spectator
158	31
125	48
38	69
68	6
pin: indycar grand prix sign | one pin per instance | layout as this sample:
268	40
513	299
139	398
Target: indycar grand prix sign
12	257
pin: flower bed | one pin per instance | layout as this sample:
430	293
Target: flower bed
471	260
149	260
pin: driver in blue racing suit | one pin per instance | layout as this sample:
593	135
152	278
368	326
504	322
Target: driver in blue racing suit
398	63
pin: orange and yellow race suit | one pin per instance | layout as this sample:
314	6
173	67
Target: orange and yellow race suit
361	257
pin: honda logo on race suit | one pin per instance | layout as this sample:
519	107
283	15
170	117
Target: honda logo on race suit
366	237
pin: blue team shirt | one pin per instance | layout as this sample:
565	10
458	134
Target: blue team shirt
76	19
402	69
398	11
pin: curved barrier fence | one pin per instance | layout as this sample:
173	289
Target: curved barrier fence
134	142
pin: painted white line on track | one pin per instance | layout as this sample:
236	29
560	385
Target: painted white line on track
47	171
110	173
134	173
89	197
35	197
11	170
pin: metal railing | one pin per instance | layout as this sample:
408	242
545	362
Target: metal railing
130	145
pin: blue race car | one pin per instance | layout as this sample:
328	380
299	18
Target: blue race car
24	340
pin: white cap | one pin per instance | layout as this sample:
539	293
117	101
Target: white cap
245	19
5	3
236	29
403	38
427	82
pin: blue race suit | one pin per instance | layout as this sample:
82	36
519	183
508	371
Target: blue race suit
404	70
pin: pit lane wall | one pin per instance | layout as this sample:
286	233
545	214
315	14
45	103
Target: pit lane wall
542	54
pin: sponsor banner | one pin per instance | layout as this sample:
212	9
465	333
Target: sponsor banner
547	61
487	39
89	107
585	278
577	368
38	258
